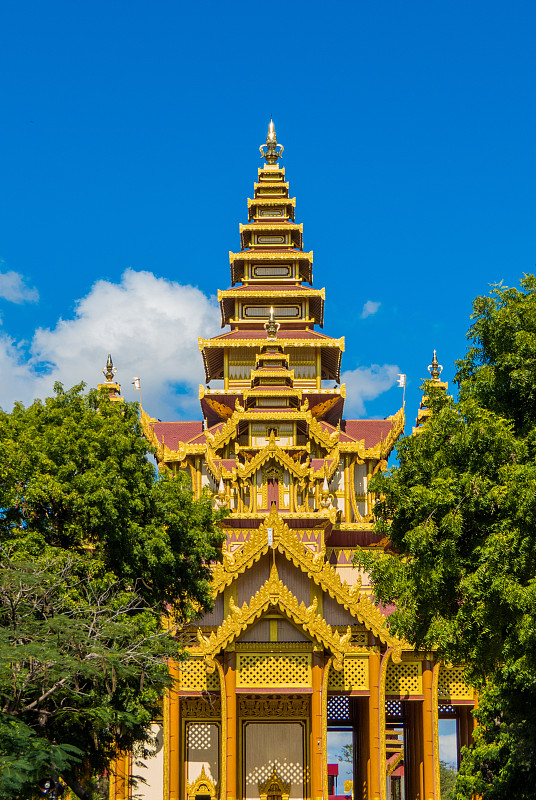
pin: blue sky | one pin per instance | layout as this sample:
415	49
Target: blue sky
129	137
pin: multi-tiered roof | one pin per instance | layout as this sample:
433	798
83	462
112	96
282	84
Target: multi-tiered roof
280	400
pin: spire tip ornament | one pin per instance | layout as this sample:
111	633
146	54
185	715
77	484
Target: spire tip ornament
435	369
271	155
109	370
271	327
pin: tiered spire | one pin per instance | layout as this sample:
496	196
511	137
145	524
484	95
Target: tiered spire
271	293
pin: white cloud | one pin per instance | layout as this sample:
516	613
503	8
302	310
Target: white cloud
448	748
150	326
367	383
14	289
369	309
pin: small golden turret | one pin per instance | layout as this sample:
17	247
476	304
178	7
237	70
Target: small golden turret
272	154
423	414
435	368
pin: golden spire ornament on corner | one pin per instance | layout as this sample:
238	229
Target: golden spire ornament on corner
271	154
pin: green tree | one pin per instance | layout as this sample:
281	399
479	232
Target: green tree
447	780
95	550
460	510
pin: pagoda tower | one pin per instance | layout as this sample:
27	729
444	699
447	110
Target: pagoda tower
295	652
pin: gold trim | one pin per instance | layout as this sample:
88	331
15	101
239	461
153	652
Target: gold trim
223	730
272	201
381	712
276	226
435	724
166	715
247	294
281	339
325	680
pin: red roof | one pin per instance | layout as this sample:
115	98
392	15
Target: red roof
171	433
371	430
261	334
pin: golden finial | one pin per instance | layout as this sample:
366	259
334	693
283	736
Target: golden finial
435	369
109	370
272	154
271	327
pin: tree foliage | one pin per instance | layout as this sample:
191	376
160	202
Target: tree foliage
460	510
95	549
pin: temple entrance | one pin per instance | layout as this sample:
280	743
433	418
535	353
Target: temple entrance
341	747
274	760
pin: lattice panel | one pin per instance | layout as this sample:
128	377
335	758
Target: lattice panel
452	686
194	677
446	710
404	679
199	736
338	708
353	677
290	670
393	709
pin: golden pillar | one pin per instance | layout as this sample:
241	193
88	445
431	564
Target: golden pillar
174	734
119	788
374	755
232	727
428	734
361	753
347	499
316	728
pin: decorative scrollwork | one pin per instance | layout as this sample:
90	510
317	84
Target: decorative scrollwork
273	706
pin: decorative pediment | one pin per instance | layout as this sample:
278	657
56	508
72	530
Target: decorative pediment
273	451
274	787
274	593
203	786
320	435
314	565
227	432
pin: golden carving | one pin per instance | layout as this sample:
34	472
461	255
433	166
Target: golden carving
329	440
276	705
286	341
222	410
274	787
202	786
201	707
322	408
